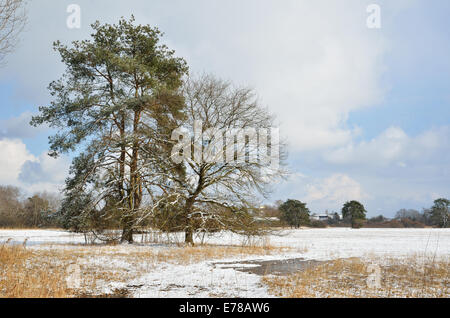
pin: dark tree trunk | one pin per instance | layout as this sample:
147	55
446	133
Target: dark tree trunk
135	191
135	180
127	235
189	237
189	231
122	161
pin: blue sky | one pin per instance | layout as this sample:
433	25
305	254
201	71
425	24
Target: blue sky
418	76
365	111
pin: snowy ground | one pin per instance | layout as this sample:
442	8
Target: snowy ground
206	279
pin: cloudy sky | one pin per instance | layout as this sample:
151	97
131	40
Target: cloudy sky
365	111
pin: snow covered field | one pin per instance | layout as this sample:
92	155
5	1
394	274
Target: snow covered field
206	278
321	243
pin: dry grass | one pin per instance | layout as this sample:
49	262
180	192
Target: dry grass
30	272
189	255
19	277
415	276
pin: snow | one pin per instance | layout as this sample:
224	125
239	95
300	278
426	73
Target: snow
199	280
39	237
206	279
323	244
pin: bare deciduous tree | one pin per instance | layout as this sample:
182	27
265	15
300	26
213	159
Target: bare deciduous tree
216	191
12	21
10	206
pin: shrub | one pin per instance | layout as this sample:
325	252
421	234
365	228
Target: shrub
318	224
358	223
411	223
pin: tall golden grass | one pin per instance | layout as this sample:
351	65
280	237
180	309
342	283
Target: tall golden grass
411	277
29	272
20	277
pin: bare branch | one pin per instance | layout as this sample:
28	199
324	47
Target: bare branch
12	21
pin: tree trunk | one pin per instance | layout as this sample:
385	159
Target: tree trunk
122	158
127	229
189	237
135	180
135	191
189	231
127	234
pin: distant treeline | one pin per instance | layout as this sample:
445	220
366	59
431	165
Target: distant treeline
19	211
43	210
435	216
405	218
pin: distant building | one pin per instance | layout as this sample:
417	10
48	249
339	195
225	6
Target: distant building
324	216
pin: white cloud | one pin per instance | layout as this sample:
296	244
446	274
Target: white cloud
19	127
394	146
312	62
334	191
44	169
14	154
435	196
20	168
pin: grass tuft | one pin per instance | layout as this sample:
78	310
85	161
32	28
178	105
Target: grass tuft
411	277
21	277
42	272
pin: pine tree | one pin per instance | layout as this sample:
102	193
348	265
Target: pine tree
294	213
355	212
440	212
114	108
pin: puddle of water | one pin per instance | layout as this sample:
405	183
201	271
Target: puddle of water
273	267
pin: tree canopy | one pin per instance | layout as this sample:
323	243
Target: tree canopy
295	213
115	106
440	212
355	212
218	187
120	108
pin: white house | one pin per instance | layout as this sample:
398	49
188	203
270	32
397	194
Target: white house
324	216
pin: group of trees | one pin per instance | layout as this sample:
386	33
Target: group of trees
39	210
295	213
117	107
436	216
